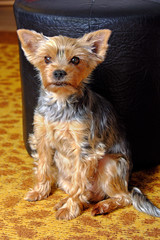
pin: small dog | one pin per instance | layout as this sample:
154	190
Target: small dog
77	142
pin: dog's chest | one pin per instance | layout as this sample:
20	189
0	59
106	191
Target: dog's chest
64	124
66	137
66	140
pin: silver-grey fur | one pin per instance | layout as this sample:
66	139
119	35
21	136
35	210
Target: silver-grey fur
142	204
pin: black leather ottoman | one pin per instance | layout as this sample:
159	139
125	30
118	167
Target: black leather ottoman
130	75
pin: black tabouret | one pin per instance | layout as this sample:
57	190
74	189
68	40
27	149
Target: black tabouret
130	75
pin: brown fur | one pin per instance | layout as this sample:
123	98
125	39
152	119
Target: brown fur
76	144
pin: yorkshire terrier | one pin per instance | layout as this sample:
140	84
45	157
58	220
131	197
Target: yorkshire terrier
77	141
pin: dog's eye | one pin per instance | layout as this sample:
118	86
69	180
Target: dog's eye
75	60
47	59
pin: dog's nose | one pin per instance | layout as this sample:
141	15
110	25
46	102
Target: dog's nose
59	74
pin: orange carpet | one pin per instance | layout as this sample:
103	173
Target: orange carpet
20	219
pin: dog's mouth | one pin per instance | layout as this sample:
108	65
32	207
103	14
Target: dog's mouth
61	84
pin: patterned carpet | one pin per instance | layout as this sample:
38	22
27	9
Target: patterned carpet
24	220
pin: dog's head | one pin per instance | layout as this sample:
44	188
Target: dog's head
64	63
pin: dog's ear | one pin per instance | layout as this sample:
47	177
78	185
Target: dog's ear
97	42
30	42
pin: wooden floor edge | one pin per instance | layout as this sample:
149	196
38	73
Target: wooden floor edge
8	37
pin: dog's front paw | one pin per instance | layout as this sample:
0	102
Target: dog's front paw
33	196
67	209
64	214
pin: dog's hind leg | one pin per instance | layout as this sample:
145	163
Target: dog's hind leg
113	174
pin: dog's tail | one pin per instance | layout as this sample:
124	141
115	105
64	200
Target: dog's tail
142	204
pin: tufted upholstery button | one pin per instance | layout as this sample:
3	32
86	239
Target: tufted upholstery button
130	75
